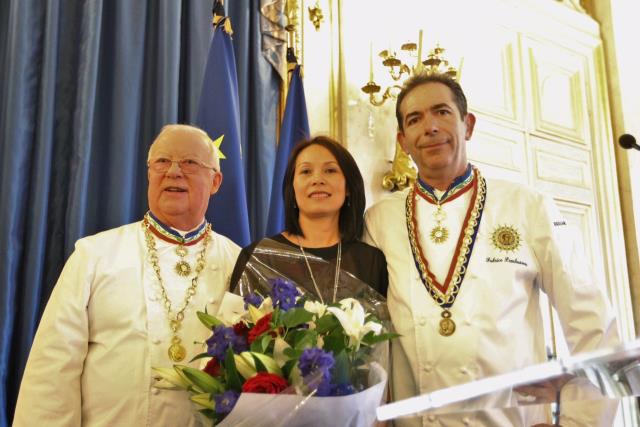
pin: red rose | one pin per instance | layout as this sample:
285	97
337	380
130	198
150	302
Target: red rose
259	328
213	367
240	329
264	382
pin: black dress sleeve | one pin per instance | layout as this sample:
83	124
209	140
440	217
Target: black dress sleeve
382	281
241	262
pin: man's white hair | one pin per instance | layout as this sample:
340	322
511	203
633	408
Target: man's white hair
215	158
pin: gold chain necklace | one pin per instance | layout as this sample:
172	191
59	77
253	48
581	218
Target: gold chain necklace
444	294
337	274
176	350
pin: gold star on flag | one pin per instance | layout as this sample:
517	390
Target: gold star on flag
217	144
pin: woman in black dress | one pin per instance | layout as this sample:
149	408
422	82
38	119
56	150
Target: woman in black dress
320	249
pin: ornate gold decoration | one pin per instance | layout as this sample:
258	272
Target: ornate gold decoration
219	19
439	234
315	15
182	267
506	238
447	325
176	350
444	294
400	71
403	174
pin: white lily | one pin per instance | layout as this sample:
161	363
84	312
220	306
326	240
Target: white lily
265	308
279	346
231	309
170	378
246	365
315	307
203	399
352	318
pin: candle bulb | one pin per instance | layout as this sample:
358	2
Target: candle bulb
371	61
420	48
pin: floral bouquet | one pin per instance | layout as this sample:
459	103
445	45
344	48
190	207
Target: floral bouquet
279	358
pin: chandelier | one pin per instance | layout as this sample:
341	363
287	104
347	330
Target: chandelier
402	173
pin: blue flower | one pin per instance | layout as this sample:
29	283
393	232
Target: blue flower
342	389
226	401
222	338
315	361
283	294
323	389
253	299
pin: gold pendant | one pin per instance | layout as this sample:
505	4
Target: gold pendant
181	251
439	234
183	268
177	352
447	325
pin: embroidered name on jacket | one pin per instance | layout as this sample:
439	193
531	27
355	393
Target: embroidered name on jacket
506	259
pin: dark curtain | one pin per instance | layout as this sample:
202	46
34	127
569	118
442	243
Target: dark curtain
259	93
84	88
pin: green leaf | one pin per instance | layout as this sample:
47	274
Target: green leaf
200	356
327	323
336	341
202	380
276	318
340	371
261	344
292	353
370	338
209	413
287	367
305	339
234	381
208	320
295	317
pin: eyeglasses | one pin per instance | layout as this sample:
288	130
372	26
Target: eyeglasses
187	166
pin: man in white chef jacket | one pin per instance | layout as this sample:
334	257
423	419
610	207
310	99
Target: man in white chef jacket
126	302
467	258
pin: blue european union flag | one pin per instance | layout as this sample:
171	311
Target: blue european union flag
295	128
219	114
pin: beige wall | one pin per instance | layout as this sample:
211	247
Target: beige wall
620	32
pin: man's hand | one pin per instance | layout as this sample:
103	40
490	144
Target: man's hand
544	391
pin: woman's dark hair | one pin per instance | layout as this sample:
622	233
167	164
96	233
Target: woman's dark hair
351	213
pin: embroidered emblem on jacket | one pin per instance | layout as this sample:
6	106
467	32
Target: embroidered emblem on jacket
506	238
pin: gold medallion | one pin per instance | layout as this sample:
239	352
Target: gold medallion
439	234
447	325
181	251
506	238
183	268
177	352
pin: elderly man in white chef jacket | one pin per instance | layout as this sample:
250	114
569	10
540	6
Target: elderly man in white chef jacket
126	301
